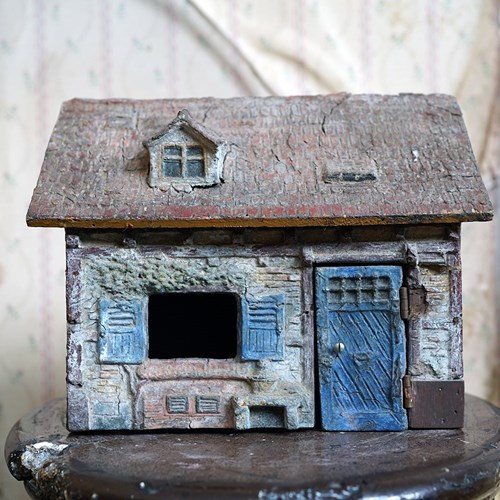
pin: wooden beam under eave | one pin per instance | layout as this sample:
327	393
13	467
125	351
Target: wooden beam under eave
269	222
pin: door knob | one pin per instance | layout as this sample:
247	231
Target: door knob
338	348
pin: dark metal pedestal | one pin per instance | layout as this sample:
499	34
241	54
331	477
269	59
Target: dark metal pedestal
306	464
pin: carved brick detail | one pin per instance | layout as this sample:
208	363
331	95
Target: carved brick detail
177	404
207	404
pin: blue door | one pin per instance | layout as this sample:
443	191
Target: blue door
361	348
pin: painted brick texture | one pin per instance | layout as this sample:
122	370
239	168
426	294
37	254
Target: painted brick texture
331	160
124	396
160	393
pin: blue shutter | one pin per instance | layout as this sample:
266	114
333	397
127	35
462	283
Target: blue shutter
122	336
361	348
262	327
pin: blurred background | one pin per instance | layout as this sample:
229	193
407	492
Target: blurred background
54	50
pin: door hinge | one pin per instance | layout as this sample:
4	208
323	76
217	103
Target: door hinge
407	392
404	303
412	301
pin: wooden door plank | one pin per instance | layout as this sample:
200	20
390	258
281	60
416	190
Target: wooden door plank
360	387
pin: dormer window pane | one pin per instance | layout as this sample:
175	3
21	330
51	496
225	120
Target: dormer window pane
172	151
195	168
194	151
183	161
172	167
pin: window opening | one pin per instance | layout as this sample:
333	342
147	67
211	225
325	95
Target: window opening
193	325
267	416
183	161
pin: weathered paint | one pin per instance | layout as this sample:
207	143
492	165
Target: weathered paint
254	264
135	392
360	386
272	466
122	331
394	163
183	132
262	327
291	161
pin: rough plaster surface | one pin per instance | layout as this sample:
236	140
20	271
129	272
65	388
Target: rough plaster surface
125	397
135	396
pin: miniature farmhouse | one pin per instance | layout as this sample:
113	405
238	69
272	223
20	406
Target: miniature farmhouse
278	262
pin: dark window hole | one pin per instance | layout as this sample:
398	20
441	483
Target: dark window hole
193	325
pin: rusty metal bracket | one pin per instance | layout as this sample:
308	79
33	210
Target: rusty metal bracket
407	392
436	404
404	304
411	301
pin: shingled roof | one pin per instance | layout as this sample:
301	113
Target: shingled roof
291	161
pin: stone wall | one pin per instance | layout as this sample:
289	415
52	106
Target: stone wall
135	395
249	263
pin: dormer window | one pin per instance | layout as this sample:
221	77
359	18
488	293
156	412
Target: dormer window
183	161
185	155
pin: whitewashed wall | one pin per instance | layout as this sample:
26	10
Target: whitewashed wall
52	50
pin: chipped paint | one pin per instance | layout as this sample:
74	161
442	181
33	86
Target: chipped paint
30	461
35	456
249	263
280	150
135	396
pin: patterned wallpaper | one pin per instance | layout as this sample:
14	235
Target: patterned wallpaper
53	50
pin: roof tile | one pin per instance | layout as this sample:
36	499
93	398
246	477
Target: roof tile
385	159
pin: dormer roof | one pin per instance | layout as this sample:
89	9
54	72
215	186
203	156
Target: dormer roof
186	121
285	161
185	155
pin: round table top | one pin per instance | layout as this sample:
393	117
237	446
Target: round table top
247	464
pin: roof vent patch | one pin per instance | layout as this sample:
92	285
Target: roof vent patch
351	171
185	155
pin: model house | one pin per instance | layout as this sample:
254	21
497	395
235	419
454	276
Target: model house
262	262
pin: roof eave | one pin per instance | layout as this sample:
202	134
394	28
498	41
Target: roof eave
288	222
